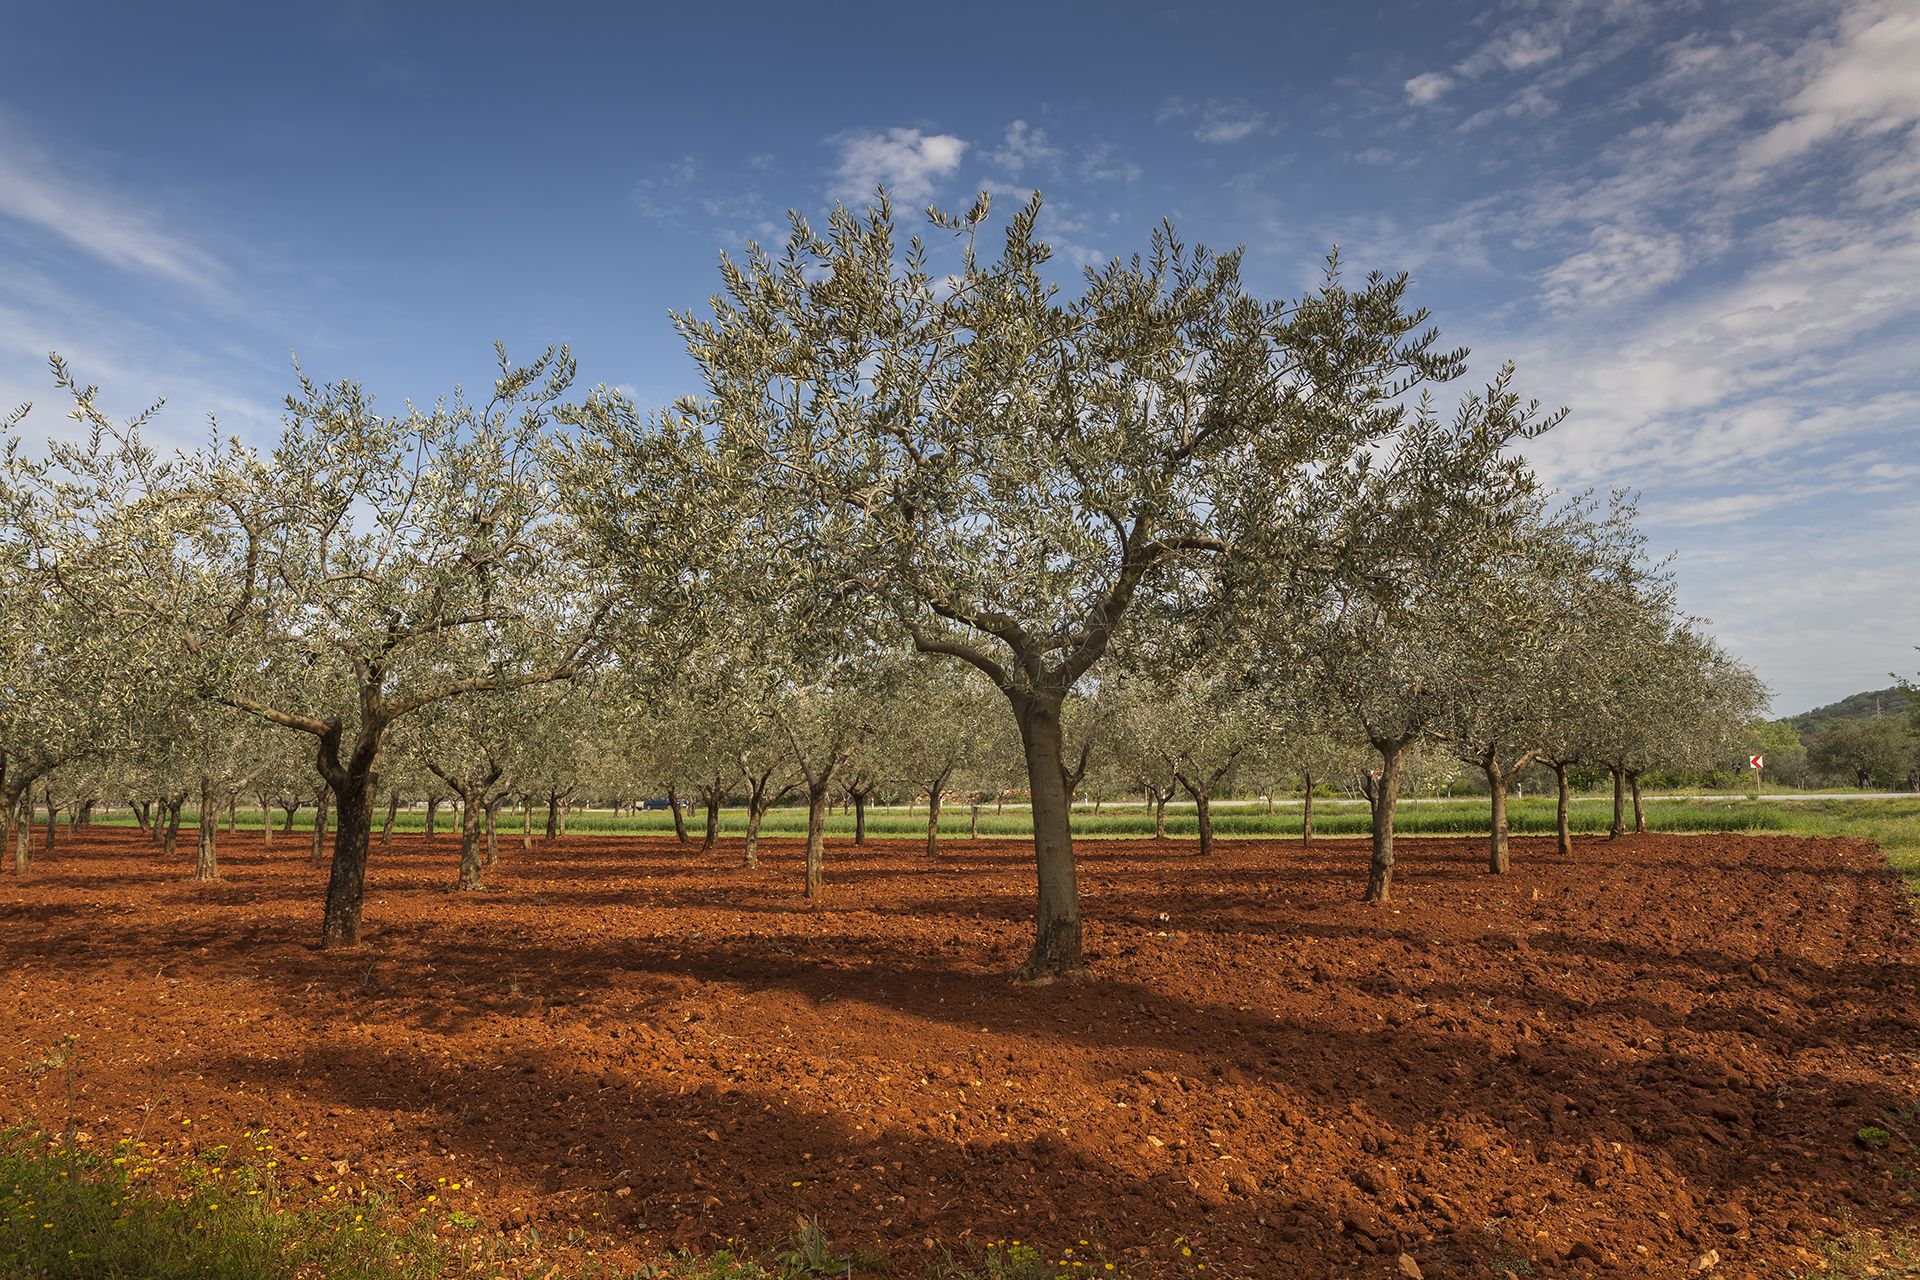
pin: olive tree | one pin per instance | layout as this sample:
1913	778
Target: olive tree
944	724
1198	710
477	747
1009	470
1513	654
361	546
1415	542
72	687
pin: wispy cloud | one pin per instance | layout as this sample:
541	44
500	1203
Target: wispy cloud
1213	122
41	196
907	162
1026	148
1550	46
1864	80
1619	264
1103	162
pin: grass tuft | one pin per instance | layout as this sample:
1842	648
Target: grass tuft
68	1214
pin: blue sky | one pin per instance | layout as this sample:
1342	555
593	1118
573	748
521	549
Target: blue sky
1696	223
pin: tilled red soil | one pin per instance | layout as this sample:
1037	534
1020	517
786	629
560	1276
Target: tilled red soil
1607	1064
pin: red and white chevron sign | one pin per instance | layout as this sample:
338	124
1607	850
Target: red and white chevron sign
1756	761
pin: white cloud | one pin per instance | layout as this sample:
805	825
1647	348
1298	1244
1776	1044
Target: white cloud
907	162
1213	122
1427	88
1865	80
1518	49
1026	146
108	225
1618	265
1530	101
1229	126
1104	163
1550	48
663	193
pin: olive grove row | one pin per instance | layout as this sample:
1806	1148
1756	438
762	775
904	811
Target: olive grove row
933	516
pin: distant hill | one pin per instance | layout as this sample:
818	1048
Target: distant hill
1860	706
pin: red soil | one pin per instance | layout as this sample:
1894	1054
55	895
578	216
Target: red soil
1606	1065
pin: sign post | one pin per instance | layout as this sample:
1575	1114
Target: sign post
1755	762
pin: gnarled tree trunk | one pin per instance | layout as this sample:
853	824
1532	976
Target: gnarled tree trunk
679	817
1619	827
1057	931
1383	794
1563	806
818	797
936	794
1201	788
1306	807
207	863
23	835
471	850
347	876
493	831
1639	809
170	832
712	799
319	854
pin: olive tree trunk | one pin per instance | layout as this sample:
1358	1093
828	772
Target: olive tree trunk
1639	809
1383	793
1201	789
207	864
347	877
393	811
23	836
320	798
860	817
1563	807
679	818
170	833
1497	781
1057	932
1306	807
756	809
817	799
1619	827
936	794
471	851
